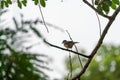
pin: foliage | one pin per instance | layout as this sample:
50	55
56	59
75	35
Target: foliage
76	66
20	66
6	3
105	5
104	66
16	63
101	5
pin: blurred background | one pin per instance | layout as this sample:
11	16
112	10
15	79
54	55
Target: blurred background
24	55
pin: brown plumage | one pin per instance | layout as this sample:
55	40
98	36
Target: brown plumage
69	44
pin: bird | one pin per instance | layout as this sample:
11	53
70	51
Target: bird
68	44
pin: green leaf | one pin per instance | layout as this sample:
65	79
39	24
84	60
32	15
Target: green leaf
2	49
42	2
96	2
113	6
9	1
2	41
36	31
108	2
1	32
99	8
24	30
116	1
6	4
106	8
35	2
24	2
19	4
2	4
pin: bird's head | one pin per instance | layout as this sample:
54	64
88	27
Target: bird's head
64	41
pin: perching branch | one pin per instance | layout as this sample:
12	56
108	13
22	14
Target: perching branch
66	49
111	19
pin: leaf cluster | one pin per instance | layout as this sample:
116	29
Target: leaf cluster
105	5
21	3
20	66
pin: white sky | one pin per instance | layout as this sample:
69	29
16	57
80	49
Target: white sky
71	15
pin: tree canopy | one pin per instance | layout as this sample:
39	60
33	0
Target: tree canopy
104	66
103	6
16	61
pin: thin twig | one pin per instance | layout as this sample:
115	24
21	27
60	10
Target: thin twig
79	57
99	23
86	56
43	17
41	21
70	60
29	47
111	20
75	48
